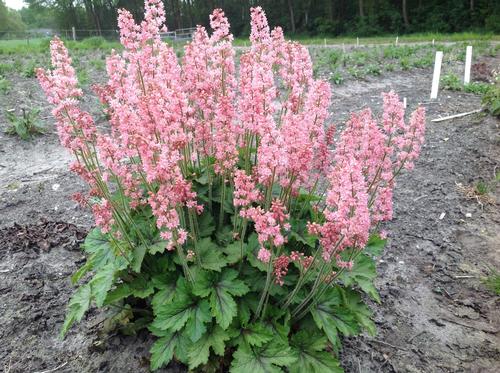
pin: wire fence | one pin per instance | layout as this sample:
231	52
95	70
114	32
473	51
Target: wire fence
80	34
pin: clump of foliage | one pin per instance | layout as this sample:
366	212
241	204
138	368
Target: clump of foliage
4	85
491	98
227	215
492	281
25	125
451	82
29	69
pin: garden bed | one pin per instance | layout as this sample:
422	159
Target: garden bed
435	315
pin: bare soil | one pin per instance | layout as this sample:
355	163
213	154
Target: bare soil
435	314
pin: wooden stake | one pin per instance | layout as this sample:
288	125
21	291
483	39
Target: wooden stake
436	75
404	102
397	39
357	42
73	31
456	116
468	62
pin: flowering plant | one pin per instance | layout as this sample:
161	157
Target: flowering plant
230	223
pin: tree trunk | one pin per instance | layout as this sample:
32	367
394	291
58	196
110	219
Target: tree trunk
292	18
405	15
471	5
361	10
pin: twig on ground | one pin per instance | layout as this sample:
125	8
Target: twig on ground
415	336
456	116
53	369
388	344
482	328
463	276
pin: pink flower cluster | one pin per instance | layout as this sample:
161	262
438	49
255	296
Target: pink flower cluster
255	131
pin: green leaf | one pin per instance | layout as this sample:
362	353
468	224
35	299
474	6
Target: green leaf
173	316
98	245
138	257
375	245
221	287
162	350
363	274
210	255
233	251
120	292
265	359
82	271
162	297
331	317
199	352
311	357
78	305
206	224
141	288
195	326
353	302
157	247
101	283
256	334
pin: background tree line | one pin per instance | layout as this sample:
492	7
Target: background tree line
309	17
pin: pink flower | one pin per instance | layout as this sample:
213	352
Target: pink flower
264	255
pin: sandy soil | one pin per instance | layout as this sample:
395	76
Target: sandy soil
435	314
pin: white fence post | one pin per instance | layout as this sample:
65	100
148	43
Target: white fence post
357	42
73	31
468	62
436	75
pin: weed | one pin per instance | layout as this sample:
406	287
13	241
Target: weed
477	88
389	67
337	78
482	188
354	72
26	125
4	85
373	70
492	281
29	69
405	63
491	100
6	68
83	76
98	64
334	57
451	82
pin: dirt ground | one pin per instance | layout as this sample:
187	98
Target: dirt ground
435	314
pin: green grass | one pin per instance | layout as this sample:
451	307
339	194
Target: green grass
410	38
4	85
492	282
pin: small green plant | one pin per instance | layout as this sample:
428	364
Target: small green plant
451	82
405	63
6	68
373	70
334	57
26	125
390	67
337	78
492	281
491	100
482	188
4	85
29	69
477	88
355	72
98	64
83	76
